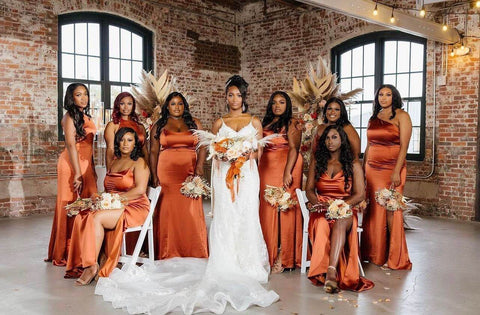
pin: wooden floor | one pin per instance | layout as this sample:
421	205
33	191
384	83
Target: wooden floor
445	278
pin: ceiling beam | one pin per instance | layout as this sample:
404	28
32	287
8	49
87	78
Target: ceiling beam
363	9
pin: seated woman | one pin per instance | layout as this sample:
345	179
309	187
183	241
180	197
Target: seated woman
128	177
334	174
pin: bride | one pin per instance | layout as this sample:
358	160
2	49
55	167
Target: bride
238	261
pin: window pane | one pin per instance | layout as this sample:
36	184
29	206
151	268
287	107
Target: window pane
414	109
402	84
357	83
93	39
80	67
94	68
363	139
126	89
136	71
357	64
368	88
404	56
417	57
95	95
369	59
125	44
137	47
416	84
68	66
390	79
346	64
114	70
114	41
366	114
414	145
81	38
68	38
114	91
126	71
345	85
390	57
354	113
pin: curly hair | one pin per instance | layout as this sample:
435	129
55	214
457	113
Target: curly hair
322	155
284	119
396	101
242	86
187	117
137	150
343	120
74	111
116	115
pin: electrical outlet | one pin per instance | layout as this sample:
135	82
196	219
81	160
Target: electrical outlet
441	80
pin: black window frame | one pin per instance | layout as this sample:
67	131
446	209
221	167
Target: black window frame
379	38
104	20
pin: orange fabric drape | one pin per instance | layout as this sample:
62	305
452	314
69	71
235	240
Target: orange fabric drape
179	222
348	272
62	225
285	228
377	246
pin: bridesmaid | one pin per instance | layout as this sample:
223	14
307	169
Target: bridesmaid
281	165
388	133
179	222
335	174
128	177
123	115
335	113
75	168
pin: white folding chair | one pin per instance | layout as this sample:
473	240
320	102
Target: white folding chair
302	200
147	226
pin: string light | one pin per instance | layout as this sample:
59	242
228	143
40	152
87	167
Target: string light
423	12
392	18
444	27
375	11
452	53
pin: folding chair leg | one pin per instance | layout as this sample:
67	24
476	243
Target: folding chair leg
362	273
303	267
124	246
151	252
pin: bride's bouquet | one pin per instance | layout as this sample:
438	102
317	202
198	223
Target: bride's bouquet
195	187
391	199
104	201
278	197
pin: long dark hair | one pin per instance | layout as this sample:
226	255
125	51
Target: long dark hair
74	111
242	86
137	150
396	101
322	155
284	119
187	117
343	120
116	115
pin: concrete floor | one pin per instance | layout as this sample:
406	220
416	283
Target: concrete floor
445	278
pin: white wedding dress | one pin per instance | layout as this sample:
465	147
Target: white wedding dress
238	260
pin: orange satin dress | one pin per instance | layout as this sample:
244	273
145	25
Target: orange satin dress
319	228
135	126
62	224
82	250
377	246
179	222
280	228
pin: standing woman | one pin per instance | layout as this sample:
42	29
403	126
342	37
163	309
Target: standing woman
335	113
75	169
281	165
123	115
179	222
388	133
335	174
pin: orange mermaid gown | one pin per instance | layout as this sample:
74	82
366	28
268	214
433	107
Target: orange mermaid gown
384	146
348	272
284	228
82	249
62	224
179	222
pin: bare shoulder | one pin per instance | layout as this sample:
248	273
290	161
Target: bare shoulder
140	164
402	115
111	126
256	121
218	123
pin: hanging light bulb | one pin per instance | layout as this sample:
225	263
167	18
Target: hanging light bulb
463	46
444	27
452	53
392	18
422	11
477	4
375	11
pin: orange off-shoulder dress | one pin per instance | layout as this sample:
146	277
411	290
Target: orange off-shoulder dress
377	246
82	250
348	272
62	224
179	221
280	228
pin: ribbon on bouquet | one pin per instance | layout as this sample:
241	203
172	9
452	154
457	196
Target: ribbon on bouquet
232	173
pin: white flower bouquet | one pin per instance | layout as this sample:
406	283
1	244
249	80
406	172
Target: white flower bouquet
391	199
195	187
104	201
338	209
278	197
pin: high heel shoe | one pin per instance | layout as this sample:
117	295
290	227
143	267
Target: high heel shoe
331	286
82	282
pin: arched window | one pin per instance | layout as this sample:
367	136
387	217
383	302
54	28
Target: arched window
385	57
103	51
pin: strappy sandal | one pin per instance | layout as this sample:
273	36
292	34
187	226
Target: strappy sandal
277	265
81	282
331	286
